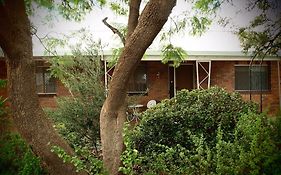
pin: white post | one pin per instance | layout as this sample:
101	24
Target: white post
197	74
209	78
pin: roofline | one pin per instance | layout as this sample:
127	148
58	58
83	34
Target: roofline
195	55
206	55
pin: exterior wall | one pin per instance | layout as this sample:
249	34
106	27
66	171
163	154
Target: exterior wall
223	75
157	82
49	101
45	100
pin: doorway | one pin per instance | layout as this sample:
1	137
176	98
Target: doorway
181	78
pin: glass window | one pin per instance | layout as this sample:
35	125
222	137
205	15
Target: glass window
45	83
138	81
256	74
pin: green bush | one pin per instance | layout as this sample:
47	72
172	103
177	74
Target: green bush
253	150
77	116
17	158
77	121
203	132
2	100
198	112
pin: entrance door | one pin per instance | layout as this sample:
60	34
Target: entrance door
184	76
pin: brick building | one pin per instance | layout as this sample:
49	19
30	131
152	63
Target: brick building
154	80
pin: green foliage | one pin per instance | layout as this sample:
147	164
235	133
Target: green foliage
69	9
174	54
78	121
17	158
77	116
202	132
207	6
262	36
119	7
199	25
83	161
195	112
2	100
115	56
253	150
3	83
129	157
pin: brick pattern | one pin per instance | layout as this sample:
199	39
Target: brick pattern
49	101
222	75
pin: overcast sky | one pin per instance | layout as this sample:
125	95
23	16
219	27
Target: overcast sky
217	38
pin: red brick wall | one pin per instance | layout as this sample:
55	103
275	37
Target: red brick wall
222	75
157	83
44	100
158	87
49	101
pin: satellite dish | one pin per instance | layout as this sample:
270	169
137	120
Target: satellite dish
151	103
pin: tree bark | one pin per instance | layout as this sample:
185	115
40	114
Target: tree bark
28	117
112	118
134	8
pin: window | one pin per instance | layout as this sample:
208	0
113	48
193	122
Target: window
258	75
138	81
45	83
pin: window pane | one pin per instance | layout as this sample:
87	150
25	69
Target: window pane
138	81
44	82
258	77
241	78
50	83
39	82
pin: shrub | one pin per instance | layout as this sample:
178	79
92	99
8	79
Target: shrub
253	150
2	100
198	112
77	121
77	116
17	158
203	132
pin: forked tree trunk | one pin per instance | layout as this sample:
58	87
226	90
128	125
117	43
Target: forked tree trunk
29	118
112	117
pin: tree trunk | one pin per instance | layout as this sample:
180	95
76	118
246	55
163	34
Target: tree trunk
29	118
112	117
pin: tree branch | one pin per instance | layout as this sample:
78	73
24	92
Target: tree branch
41	41
114	30
133	16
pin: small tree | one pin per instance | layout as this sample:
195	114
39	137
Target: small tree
77	116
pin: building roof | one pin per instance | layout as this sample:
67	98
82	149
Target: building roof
193	56
205	56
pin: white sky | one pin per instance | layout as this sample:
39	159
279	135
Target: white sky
216	39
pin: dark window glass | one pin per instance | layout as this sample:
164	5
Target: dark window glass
138	81
45	83
257	75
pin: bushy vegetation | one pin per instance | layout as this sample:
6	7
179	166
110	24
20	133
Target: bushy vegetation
2	100
202	132
17	158
77	116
